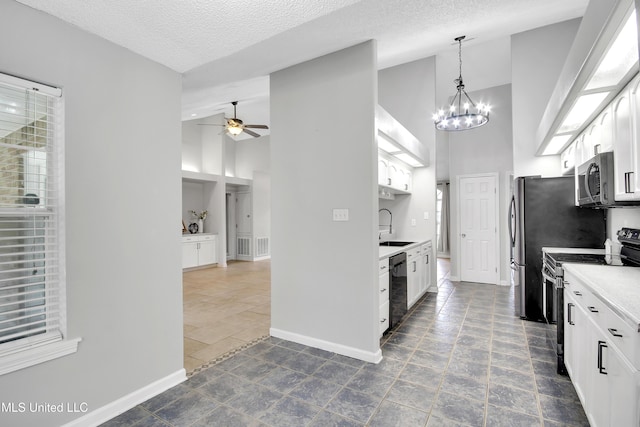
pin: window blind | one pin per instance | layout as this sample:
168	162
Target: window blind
30	291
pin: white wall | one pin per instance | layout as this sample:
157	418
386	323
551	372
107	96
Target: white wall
124	284
484	150
407	92
324	273
252	155
537	58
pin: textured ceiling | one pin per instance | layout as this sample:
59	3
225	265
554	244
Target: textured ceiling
226	49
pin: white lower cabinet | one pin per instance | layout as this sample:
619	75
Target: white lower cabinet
198	250
414	275
425	282
600	359
383	286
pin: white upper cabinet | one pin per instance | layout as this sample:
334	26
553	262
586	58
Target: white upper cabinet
605	137
568	159
624	142
383	171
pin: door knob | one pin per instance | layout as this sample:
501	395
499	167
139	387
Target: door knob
463	235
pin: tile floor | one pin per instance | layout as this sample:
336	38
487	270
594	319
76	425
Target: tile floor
460	358
224	309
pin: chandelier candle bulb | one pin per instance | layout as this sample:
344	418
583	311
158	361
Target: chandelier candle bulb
452	121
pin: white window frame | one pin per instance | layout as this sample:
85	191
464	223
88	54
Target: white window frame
36	349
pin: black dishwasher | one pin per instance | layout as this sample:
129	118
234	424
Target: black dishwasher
398	287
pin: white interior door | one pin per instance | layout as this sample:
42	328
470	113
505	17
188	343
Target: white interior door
478	229
243	213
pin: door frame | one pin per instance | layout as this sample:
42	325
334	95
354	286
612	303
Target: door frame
498	240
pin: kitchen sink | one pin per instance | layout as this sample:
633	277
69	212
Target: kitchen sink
395	243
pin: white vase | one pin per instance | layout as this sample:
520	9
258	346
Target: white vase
200	226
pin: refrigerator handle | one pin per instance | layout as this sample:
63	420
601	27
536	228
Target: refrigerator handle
512	213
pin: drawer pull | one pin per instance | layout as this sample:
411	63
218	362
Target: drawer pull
593	309
601	345
569	306
578	293
382	290
614	332
383	320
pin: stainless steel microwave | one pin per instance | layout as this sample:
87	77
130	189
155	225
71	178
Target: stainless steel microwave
595	181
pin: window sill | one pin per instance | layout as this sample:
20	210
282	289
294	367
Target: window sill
35	355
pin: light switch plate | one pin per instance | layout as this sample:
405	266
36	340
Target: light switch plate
426	215
413	222
341	214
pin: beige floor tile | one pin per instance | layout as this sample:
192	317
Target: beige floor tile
224	308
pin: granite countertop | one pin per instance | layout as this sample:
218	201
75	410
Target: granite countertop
388	251
551	250
616	286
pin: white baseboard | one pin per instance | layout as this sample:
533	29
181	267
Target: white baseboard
504	283
117	407
367	356
261	258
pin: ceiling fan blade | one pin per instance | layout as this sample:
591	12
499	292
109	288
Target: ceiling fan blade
250	132
209	124
257	126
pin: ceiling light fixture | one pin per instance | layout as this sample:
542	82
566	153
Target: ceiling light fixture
459	116
234	130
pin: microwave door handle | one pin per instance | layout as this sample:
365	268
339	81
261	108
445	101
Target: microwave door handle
586	181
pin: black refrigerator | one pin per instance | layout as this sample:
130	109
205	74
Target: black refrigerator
543	214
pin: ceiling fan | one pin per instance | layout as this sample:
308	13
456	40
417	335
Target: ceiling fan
235	126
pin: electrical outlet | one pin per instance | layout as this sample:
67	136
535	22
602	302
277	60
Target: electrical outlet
426	215
341	214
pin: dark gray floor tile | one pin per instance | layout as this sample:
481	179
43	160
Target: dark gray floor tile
479	329
470	368
534	328
413	395
513	398
517	349
292	345
224	416
511	378
232	362
537	341
479	355
163	399
257	349
396	352
202	377
392	414
327	419
542	353
483	342
421	375
438	421
430	358
415	328
253	370
282	379
290	412
304	363
336	372
460	385
187	409
346	360
502	417
388	366
354	405
545	368
323	354
510	336
459	409
315	391
510	361
373	383
129	418
567	412
225	387
277	354
558	386
405	340
255	400
443	332
434	345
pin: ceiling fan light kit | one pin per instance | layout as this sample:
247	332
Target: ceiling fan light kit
463	113
235	126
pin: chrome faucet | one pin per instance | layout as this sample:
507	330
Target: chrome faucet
390	222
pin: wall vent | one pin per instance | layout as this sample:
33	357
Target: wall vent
262	246
244	246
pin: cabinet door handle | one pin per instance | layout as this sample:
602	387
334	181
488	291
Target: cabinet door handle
614	332
593	309
601	345
415	267
427	257
383	320
569	306
388	181
382	290
566	164
383	267
578	293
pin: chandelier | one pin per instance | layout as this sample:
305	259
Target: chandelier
460	115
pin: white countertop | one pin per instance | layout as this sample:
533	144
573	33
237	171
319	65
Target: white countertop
616	286
388	251
551	250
